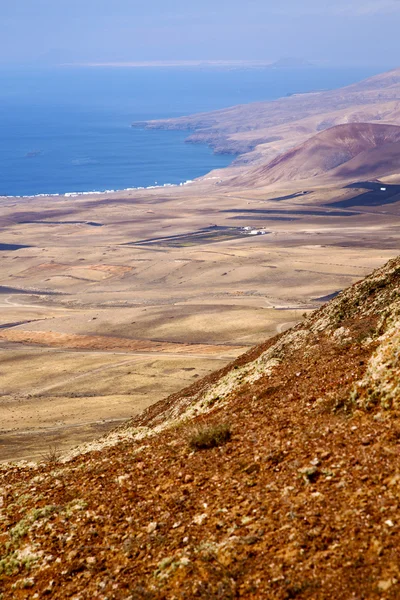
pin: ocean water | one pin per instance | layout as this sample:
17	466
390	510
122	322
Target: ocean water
69	129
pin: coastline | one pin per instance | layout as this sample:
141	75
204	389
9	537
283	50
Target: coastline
220	142
251	133
258	132
261	131
100	192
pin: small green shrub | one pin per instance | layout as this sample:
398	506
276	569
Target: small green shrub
210	435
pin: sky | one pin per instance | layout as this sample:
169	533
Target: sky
335	32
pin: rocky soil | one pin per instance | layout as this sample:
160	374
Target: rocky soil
301	502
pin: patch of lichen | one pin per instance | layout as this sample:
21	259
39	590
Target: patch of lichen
12	562
21	529
380	387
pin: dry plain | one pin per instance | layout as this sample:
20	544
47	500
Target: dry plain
117	301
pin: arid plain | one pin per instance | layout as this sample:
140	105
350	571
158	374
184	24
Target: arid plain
111	302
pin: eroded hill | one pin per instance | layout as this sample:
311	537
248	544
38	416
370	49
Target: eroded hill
301	502
343	152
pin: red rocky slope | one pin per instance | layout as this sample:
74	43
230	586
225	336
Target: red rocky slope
302	502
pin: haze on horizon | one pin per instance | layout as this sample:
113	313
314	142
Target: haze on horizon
342	33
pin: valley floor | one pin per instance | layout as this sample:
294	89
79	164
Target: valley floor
116	301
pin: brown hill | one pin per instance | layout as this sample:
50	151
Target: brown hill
346	151
300	501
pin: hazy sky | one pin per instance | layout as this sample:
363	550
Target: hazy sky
336	31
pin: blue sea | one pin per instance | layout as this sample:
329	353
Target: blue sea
66	129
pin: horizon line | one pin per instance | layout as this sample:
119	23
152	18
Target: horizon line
170	63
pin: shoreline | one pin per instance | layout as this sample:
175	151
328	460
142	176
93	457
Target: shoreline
65	195
254	132
101	193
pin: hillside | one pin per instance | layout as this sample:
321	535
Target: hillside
263	130
349	151
301	502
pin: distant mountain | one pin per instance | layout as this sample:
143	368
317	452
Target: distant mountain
291	63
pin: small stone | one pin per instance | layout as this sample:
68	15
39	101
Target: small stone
317	495
199	519
310	474
249	539
71	555
152	527
393	480
389	523
122	478
246	520
188	478
385	584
